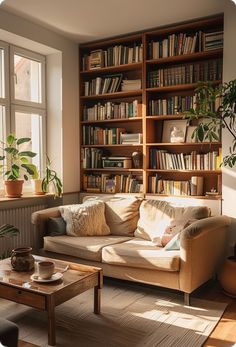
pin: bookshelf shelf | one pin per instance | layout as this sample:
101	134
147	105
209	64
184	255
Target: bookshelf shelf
114	120
186	57
146	110
113	95
111	69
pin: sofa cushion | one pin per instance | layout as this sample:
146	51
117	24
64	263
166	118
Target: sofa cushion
122	215
87	219
56	226
160	218
87	247
155	216
139	253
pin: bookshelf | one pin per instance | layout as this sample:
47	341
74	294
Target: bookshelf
136	84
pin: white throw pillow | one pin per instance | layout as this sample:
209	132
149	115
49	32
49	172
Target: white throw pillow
87	219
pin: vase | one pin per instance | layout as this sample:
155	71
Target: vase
227	276
13	189
137	158
37	187
22	259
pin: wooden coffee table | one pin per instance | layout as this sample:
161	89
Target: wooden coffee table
18	287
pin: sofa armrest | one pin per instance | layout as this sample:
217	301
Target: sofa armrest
202	247
39	220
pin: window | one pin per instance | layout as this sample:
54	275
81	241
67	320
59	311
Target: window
22	98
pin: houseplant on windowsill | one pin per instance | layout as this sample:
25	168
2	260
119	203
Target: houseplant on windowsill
16	165
218	107
51	179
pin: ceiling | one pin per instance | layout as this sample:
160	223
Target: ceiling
88	20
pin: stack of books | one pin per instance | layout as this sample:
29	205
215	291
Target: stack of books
112	110
113	56
213	40
99	136
128	85
102	85
126	139
210	70
110	183
91	158
171	105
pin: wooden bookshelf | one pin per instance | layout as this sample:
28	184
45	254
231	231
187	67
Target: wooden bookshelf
107	108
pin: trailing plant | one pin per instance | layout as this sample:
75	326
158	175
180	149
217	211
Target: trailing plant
51	177
217	106
7	230
16	162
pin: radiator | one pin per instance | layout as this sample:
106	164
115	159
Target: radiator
21	218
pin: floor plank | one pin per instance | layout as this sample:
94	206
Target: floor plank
25	344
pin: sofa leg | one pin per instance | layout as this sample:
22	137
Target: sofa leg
187	299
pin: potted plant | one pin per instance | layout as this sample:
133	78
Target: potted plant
218	107
51	179
16	165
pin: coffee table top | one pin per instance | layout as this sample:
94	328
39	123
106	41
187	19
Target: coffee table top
21	280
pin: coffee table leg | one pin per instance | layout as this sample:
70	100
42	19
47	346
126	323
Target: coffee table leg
51	321
97	300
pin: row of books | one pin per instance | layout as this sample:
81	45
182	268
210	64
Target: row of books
112	56
184	43
194	186
107	183
103	85
172	105
163	160
213	40
99	136
91	158
210	70
112	110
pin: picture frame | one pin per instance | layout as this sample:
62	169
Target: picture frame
174	131
190	130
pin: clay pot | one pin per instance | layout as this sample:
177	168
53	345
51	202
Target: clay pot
227	276
37	187
22	259
14	189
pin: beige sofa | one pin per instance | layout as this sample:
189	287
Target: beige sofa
132	258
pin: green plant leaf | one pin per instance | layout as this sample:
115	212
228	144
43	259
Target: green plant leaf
28	154
23	140
2	157
11	150
10	139
200	133
24	160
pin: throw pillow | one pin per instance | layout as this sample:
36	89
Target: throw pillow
87	219
171	242
122	215
155	216
56	226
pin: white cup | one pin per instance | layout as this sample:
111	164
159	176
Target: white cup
45	269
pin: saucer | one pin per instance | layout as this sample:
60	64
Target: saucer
54	277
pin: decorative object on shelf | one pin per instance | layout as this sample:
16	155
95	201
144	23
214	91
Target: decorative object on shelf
22	259
227	275
137	158
218	107
174	131
37	186
16	165
7	231
51	179
116	162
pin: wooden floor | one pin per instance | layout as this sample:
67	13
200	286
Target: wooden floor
224	335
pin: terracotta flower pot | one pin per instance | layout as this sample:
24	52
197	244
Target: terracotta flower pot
37	187
227	276
14	189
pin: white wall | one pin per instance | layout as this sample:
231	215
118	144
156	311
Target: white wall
64	126
229	73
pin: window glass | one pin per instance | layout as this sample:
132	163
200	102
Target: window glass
2	74
30	125
28	79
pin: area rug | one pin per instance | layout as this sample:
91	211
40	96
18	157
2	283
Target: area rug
131	316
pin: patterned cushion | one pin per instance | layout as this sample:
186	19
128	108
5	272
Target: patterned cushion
87	219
